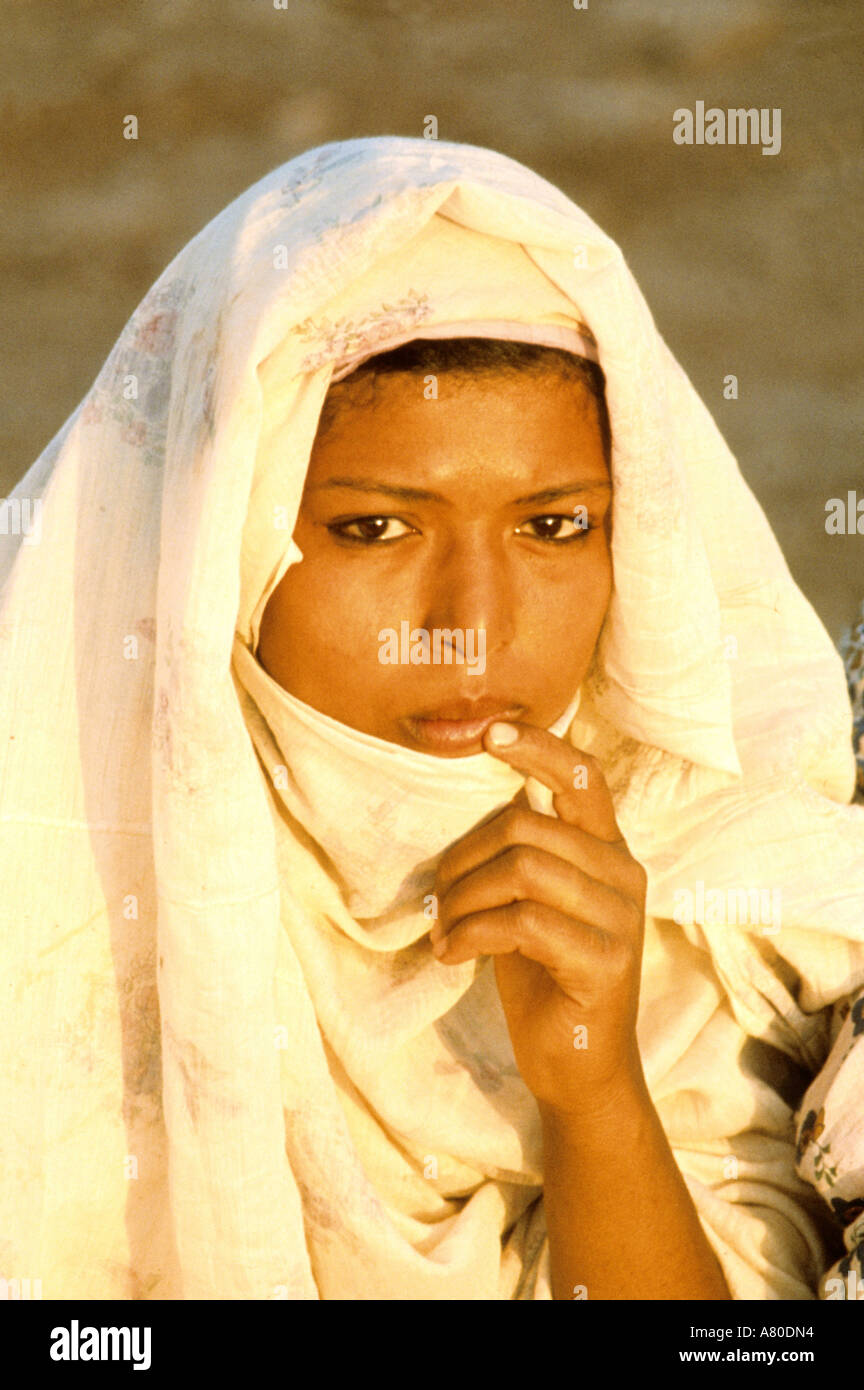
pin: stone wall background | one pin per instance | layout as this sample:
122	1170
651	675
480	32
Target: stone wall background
751	264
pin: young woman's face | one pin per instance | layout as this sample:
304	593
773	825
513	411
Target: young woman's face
461	515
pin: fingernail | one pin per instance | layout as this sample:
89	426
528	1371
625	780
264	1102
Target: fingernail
502	734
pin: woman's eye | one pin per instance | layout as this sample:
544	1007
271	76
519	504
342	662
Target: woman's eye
370	528
558	528
549	527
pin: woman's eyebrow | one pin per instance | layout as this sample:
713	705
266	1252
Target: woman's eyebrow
552	494
416	494
408	494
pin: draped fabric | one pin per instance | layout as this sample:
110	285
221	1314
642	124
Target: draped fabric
220	1079
829	1134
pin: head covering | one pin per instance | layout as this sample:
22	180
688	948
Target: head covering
576	340
218	1081
384	814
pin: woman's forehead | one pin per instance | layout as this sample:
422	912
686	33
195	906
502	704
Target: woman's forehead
424	404
530	436
453	456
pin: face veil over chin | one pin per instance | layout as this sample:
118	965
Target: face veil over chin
217	1081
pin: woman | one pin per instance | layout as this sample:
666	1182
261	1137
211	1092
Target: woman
263	860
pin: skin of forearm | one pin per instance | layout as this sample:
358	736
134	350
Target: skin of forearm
620	1220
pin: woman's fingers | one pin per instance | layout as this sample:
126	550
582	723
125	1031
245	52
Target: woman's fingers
517	824
579	956
525	872
580	794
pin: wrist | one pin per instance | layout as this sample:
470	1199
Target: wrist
615	1110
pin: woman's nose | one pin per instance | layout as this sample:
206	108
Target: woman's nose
471	587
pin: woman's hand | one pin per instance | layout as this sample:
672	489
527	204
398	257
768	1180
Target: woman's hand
560	904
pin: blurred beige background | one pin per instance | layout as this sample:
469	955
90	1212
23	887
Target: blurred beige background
751	263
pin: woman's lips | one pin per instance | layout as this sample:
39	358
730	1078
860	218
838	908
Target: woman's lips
456	734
